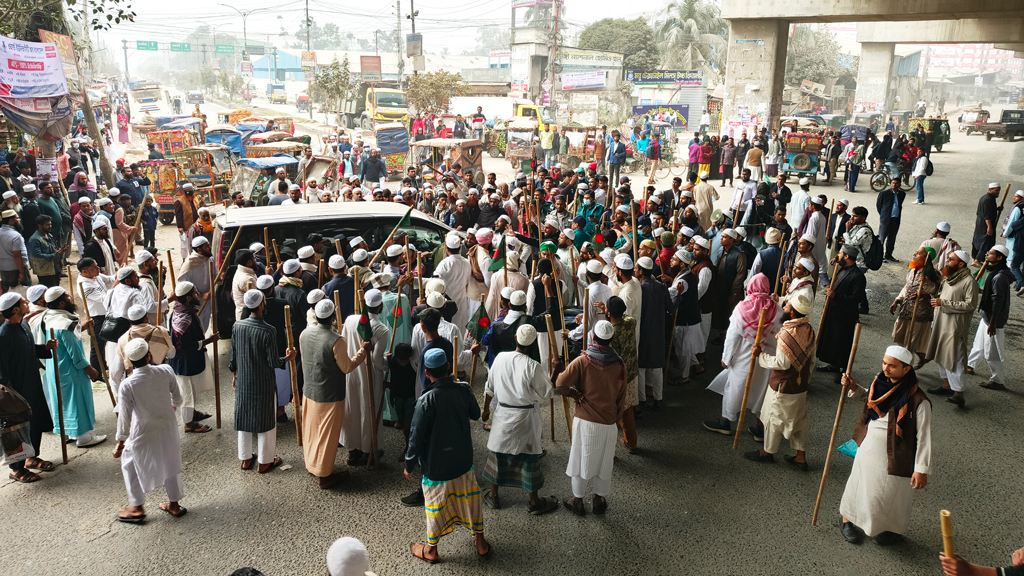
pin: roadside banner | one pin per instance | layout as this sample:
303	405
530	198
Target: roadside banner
31	69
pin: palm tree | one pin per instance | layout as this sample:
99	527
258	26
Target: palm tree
692	36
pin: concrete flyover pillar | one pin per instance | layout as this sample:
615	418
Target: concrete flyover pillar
756	71
873	76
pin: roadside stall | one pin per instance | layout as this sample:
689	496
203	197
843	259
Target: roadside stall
253	174
393	141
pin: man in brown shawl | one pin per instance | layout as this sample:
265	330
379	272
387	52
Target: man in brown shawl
912	306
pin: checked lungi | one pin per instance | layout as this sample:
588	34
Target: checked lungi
453	502
514	470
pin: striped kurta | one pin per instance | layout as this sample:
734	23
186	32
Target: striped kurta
253	360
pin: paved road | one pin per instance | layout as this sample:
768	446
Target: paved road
687	504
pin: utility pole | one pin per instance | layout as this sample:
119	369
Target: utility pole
124	44
398	38
309	24
554	54
413	13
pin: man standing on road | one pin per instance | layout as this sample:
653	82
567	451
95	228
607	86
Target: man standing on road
854	160
186	214
920	173
374	169
995	311
705	122
616	157
602	149
890	207
479	120
859	236
547	144
954	308
13	252
985	225
744	193
846	291
653	156
831	156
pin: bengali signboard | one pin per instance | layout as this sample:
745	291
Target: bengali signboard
413	45
677	77
246	69
571	58
70	63
677	114
225	49
584	80
308	60
31	69
369	68
520	68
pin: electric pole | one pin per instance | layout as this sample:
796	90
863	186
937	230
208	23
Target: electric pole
309	24
413	13
398	40
124	44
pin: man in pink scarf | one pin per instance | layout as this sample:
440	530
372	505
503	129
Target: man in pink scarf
739	340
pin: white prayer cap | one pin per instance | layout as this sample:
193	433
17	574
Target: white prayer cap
373	297
336	262
204	209
582	186
773	236
943	227
452	241
348	557
704	175
504	216
608	255
253	299
435	300
104	201
623	262
506	292
305	252
569	233
655	199
324	308
800	302
449	186
291	266
294	186
622	208
807	264
844	202
687	231
199	241
687	194
657	232
900	353
280	170
82	200
1002	250
459	201
394	250
645	262
518	298
264	282
551	222
494	197
526	334
484	235
816	200
136	313
659	193
594	267
112	192
124	272
353	178
360	255
315	296
963	256
355	241
142	255
184	288
100	222
256	247
381	279
9	300
434	285
471	231
805	181
808	238
731	233
742	232
702	242
136	349
684	256
992	185
603	330
34	293
11	194
1018	194
53	294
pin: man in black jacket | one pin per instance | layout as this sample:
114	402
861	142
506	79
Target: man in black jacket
780	192
890	210
995	311
8	181
831	157
374	168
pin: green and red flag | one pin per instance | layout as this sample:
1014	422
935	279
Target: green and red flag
598	242
498	259
395	314
479	324
364	330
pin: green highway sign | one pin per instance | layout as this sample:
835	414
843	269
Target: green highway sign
225	49
145	45
181	47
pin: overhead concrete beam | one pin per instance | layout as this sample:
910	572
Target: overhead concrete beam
1018	54
806	11
969	31
1017	47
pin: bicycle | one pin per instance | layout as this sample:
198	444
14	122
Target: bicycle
882	179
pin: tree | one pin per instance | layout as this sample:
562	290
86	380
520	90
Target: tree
432	93
633	38
22	20
333	85
813	55
232	85
326	37
381	42
491	38
692	36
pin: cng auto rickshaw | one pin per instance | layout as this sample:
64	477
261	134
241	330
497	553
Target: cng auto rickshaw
801	153
581	144
519	143
972	119
209	167
495	139
442	153
164	176
393	141
253	174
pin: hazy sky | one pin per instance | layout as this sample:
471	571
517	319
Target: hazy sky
448	24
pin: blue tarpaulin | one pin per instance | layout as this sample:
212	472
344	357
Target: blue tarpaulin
187	122
162	121
268	161
392	140
231	139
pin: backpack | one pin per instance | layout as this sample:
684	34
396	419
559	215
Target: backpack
873	257
928	169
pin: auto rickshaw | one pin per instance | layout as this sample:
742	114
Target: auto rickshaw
440	154
209	167
253	174
164	176
295	149
581	144
801	153
233	117
393	141
519	143
302	103
168	142
282	123
972	119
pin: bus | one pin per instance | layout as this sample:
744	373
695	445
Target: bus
147	98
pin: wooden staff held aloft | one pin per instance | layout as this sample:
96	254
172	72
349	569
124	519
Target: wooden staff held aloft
227	257
60	401
99	351
552	357
750	376
277	255
565	350
170	273
372	460
472	366
159	291
632	217
455	358
388	240
947	533
913	316
293	369
789	271
835	426
1005	193
216	347
782	261
266	244
419	273
824	310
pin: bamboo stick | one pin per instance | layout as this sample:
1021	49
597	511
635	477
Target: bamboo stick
386	242
419	273
636	237
1005	192
835	426
227	258
320	274
824	310
159	290
294	374
782	261
750	376
60	402
913	315
947	533
99	352
216	344
565	351
170	272
372	460
266	244
277	255
455	358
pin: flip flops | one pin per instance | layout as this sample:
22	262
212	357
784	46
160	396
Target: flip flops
419	550
181	510
549	504
131	519
261	470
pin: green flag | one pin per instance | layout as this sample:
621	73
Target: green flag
479	323
498	259
395	315
406	220
364	330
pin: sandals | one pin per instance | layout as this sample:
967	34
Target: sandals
549	504
166	507
277	462
492	502
420	551
198	416
24	476
131	519
576	506
247	464
332	480
39	464
599	506
195	428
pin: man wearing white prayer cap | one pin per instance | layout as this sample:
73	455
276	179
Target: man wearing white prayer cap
325	362
100	247
192	368
994	308
598	292
985	224
149	448
455	270
254	358
599	376
355	429
125	294
159	339
348	557
341	283
957	300
835	340
894	453
196	269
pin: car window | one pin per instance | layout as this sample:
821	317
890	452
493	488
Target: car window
349	227
423	238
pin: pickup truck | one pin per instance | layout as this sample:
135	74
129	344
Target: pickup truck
1010	125
279	96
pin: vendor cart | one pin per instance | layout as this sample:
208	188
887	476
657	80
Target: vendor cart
972	120
581	144
520	143
393	141
495	138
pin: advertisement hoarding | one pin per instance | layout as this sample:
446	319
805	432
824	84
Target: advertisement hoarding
30	69
369	68
677	77
677	114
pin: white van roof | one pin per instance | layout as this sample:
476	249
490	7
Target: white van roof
261	216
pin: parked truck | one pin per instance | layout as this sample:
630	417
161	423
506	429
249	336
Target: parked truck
504	108
379	103
1010	126
276	93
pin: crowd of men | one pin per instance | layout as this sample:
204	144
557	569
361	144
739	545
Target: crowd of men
358	339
